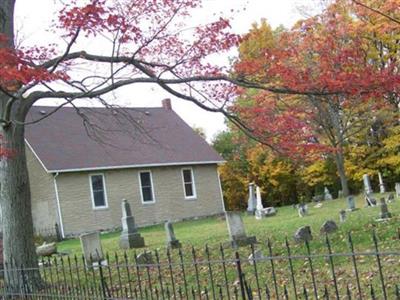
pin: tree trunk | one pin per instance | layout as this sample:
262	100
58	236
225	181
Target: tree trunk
18	245
15	201
339	159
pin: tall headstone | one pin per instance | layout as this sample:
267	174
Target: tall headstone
340	194
351	205
91	247
172	242
342	216
259	208
237	233
382	188
130	237
259	200
397	188
384	211
327	194
252	201
367	184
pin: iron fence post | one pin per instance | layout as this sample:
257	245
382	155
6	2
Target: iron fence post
102	282
240	274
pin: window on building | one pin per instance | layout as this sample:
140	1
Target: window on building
146	187
99	197
188	183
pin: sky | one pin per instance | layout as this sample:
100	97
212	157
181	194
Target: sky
33	18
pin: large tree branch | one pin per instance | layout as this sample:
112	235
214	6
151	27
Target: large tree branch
140	65
376	11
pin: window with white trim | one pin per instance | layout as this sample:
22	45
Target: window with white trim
146	187
98	190
188	184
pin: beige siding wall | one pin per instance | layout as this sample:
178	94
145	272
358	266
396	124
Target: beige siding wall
79	216
44	209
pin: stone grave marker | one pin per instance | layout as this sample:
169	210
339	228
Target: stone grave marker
303	234
262	212
252	201
237	233
302	210
397	188
340	194
318	198
390	198
370	200
1	251
382	188
145	258
259	205
172	242
327	194
384	211
91	247
130	237
351	204
328	227
367	184
342	216
258	255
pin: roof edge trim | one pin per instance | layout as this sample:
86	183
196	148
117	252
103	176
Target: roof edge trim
136	166
37	157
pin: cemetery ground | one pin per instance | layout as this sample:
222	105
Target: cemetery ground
203	266
213	230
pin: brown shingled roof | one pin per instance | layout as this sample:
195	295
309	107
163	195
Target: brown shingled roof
122	137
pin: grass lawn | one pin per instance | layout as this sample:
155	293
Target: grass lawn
213	232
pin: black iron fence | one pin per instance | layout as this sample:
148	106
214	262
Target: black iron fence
261	271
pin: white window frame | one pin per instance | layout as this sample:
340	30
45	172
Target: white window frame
152	187
104	190
193	184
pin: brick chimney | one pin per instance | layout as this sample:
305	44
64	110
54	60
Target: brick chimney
166	104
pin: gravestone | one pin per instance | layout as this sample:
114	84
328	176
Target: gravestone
397	188
327	194
302	210
367	184
384	211
145	258
351	205
91	247
252	201
1	251
303	234
390	198
46	249
259	205
382	188
258	255
342	216
370	200
328	227
262	212
340	194
237	233
172	242
130	237
318	198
